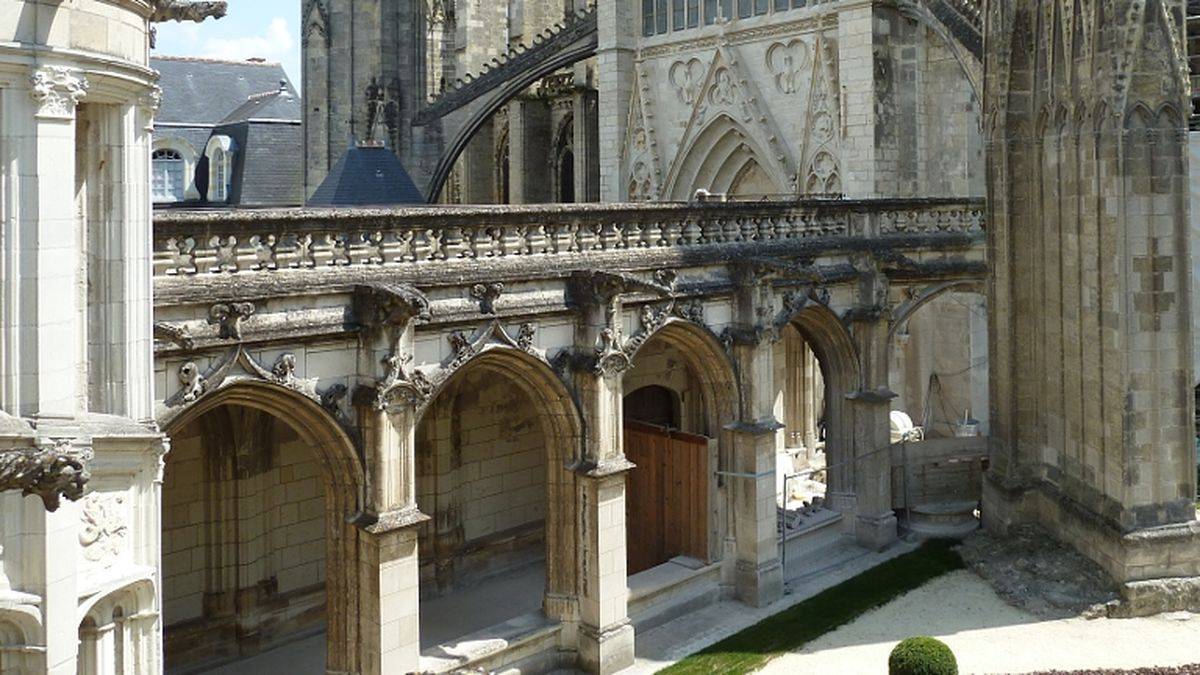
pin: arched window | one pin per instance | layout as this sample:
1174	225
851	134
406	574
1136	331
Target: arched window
168	175
218	182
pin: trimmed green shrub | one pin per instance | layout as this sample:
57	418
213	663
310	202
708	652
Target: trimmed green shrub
922	656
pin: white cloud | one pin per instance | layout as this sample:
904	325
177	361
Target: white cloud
275	44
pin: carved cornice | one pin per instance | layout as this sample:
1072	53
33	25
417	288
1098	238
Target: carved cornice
49	473
149	103
57	90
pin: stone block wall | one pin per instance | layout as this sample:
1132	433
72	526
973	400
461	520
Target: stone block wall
660	363
938	340
1093	425
183	539
928	139
270	530
481	473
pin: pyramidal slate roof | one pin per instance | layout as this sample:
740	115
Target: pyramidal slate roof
367	175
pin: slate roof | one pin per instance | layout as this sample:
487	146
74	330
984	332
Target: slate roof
367	175
205	91
278	105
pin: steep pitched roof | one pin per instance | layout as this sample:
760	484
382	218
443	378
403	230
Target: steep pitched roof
367	175
206	91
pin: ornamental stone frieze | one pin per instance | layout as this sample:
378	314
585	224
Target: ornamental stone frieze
57	90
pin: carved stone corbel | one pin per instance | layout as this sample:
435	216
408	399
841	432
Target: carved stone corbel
48	473
228	316
487	295
599	290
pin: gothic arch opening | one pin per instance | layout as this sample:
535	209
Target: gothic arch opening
257	549
801	407
492	451
723	158
824	336
679	395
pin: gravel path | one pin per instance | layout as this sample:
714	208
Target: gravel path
990	636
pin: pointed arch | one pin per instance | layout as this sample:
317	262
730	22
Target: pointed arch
561	426
840	367
344	483
716	157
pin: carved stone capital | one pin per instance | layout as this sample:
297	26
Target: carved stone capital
57	90
149	103
48	473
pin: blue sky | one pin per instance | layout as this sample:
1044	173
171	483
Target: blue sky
264	28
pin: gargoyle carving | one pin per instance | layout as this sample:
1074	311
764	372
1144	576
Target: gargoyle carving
49	474
183	10
186	10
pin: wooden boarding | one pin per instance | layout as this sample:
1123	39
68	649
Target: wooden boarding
666	499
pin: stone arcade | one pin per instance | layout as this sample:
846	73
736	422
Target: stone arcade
521	436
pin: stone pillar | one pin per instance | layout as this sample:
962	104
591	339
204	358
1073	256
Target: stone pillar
528	151
388	410
41	365
606	637
875	524
1105	306
856	71
387	544
587	147
809	404
614	62
58	586
758	574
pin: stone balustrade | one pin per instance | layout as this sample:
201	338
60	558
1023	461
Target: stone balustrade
264	241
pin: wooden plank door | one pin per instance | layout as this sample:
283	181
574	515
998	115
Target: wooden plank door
666	498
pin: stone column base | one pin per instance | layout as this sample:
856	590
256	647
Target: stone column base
759	586
876	532
1157	568
603	652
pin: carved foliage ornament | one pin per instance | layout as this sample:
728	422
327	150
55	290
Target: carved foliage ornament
416	388
487	295
48	473
102	527
196	385
57	90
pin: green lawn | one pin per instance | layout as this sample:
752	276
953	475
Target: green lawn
792	628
